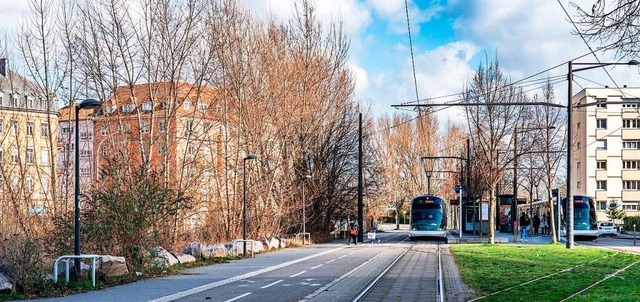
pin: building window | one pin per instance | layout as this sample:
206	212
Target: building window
1	123
85	153
579	185
85	172
601	123
44	155
104	152
601	103
30	156
128	108
601	165
578	165
578	125
44	181
103	130
14	127
86	135
601	144
630	123
44	130
632	103
29	184
630	206
631	145
203	107
631	164
578	145
188	126
14	155
144	127
162	126
146	107
601	184
602	205
631	185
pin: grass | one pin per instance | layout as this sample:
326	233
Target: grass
493	268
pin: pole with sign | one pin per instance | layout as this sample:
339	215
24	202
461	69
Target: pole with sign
460	190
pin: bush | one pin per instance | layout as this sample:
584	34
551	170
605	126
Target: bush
25	261
629	221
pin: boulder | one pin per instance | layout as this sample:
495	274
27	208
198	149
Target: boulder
6	284
62	266
194	249
112	266
161	258
236	247
257	247
216	250
274	243
183	258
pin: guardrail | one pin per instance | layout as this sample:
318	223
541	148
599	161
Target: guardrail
66	273
304	236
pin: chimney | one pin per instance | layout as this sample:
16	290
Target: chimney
624	86
4	66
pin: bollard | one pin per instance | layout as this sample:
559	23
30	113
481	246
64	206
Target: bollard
634	234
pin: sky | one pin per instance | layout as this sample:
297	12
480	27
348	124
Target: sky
450	39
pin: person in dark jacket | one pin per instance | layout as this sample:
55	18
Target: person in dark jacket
536	224
525	222
353	233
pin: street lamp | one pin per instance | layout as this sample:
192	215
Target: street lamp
570	241
244	202
85	104
304	216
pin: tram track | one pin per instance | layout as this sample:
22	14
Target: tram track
422	280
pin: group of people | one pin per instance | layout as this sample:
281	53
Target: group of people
540	226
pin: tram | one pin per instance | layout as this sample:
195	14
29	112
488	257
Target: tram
585	222
428	217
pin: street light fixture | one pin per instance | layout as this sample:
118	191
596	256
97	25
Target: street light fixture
244	202
85	104
304	216
570	237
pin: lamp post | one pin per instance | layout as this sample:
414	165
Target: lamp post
85	104
304	216
570	240
244	202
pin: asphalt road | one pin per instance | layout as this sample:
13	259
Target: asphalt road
322	272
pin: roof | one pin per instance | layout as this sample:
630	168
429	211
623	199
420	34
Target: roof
67	113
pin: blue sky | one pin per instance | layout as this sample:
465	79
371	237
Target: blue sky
450	39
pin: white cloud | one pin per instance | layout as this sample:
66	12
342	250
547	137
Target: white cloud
361	77
394	13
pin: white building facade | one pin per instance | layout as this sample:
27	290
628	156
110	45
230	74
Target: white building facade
606	148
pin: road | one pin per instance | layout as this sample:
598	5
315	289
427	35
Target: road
395	269
620	243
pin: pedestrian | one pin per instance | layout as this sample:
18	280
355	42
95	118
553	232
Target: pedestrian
353	232
536	224
525	222
544	225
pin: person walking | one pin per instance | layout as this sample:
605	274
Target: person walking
543	225
525	222
536	224
353	233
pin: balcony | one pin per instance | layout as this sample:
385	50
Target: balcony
601	195
601	133
601	154
631	134
630	174
629	154
629	195
630	113
601	175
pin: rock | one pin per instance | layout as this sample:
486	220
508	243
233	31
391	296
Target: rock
274	243
161	258
183	258
194	249
236	247
138	274
112	266
6	284
216	250
257	247
62	266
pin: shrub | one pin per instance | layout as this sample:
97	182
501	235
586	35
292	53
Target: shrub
629	221
26	263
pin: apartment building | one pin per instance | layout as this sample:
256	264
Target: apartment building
66	151
606	148
28	126
173	127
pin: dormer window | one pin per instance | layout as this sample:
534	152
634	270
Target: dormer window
128	108
146	107
112	109
186	105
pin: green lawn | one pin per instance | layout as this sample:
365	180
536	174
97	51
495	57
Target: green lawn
493	268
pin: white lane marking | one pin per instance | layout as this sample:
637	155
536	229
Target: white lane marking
272	284
343	256
317	266
238	297
331	260
209	286
298	274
